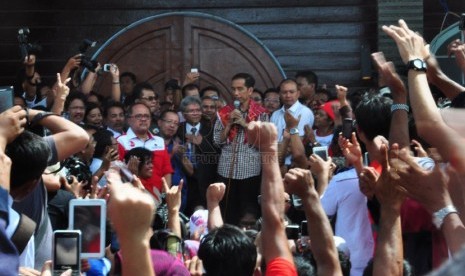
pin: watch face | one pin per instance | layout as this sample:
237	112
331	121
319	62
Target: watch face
418	64
293	131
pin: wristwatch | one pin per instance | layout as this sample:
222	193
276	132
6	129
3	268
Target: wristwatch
417	65
293	131
439	216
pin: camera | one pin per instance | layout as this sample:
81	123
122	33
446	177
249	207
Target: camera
26	48
76	167
86	62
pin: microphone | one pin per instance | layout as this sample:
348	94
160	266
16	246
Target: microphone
237	104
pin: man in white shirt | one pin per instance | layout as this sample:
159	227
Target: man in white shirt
290	94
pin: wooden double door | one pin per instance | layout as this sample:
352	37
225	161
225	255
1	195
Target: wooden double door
167	46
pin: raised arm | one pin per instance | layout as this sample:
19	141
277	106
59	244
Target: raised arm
430	125
398	132
295	142
264	137
215	193
173	201
437	77
131	211
69	138
300	182
115	85
389	258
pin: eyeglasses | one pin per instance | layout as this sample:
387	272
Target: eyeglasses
257	99
76	108
272	100
150	98
169	122
193	111
141	116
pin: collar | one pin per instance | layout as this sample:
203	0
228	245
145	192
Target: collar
131	135
189	128
293	107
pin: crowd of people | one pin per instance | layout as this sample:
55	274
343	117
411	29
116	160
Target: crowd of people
198	186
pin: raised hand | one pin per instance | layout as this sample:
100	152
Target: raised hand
299	182
215	193
291	121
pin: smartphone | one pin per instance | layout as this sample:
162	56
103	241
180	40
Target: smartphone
66	251
194	70
292	232
6	97
296	202
321	152
366	159
304	238
89	216
107	67
347	128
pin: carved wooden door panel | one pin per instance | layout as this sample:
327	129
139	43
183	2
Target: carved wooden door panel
163	47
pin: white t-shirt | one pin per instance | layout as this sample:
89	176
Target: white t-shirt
352	223
324	140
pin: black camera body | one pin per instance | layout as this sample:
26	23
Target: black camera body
76	167
26	48
87	62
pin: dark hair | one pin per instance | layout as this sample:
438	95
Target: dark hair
288	80
111	104
172	84
326	92
304	265
73	96
408	269
89	107
131	107
309	75
249	80
100	98
131	75
210	87
187	101
190	86
103	139
227	251
270	90
137	91
29	154
142	153
163	114
373	115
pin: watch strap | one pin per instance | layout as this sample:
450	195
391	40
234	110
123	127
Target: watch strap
439	216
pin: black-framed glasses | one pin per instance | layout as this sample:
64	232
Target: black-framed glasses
141	116
150	98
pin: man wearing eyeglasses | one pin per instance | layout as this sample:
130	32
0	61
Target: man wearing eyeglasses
197	136
138	135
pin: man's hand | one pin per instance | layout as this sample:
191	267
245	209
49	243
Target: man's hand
215	193
263	136
388	72
194	139
320	167
427	187
341	94
191	77
76	187
73	63
131	212
30	60
173	195
114	71
235	117
410	44
12	123
194	266
60	89
299	182
387	190
457	48
367	181
351	149
291	122
419	149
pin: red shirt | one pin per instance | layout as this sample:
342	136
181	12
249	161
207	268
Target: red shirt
160	158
